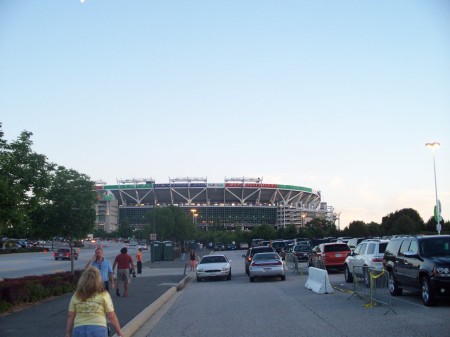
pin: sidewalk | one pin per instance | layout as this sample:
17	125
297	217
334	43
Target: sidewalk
49	318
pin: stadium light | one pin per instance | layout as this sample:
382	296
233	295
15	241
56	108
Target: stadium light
437	211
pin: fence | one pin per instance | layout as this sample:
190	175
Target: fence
372	283
292	264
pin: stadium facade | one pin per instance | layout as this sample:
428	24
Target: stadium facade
245	202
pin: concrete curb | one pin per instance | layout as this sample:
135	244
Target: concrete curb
136	323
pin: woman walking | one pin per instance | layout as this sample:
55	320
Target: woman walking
89	308
193	257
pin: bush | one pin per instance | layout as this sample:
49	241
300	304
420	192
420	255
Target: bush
31	289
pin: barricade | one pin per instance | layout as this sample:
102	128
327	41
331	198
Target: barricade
372	283
318	281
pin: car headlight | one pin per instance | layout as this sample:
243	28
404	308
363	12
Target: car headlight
442	271
226	268
200	270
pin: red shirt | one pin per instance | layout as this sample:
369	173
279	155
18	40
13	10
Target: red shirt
124	261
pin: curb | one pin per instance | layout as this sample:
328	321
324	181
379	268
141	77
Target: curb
137	322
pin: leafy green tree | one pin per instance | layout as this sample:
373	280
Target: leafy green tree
70	205
405	221
125	231
266	232
24	180
357	229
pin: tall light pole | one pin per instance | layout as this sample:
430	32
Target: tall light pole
194	211
437	214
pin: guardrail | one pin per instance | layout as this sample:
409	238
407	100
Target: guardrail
372	283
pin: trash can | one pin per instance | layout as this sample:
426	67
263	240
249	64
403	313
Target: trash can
167	251
156	251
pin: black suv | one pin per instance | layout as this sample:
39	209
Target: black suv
254	250
419	263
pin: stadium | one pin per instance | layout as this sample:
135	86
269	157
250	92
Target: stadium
242	201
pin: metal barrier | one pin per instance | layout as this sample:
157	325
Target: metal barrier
373	283
292	264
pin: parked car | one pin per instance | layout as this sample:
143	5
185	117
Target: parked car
267	265
419	263
231	246
252	251
352	243
280	247
302	252
219	246
64	254
367	254
213	266
329	255
143	246
243	245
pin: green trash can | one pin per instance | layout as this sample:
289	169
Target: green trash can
156	251
168	249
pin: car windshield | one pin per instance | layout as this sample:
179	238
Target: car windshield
266	256
435	247
302	248
213	259
335	248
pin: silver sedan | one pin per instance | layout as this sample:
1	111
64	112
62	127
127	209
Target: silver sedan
267	265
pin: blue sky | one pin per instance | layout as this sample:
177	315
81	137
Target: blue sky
338	96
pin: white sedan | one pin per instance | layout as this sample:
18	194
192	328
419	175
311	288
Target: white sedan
213	266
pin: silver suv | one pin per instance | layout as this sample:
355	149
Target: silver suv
367	254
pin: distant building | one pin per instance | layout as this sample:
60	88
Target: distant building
245	202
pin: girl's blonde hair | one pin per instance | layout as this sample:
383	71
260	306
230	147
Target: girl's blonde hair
89	284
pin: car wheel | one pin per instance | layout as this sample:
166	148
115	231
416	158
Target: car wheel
198	279
283	277
56	259
366	276
348	275
229	276
252	279
428	297
393	285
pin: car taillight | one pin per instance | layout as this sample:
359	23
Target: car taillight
256	263
377	259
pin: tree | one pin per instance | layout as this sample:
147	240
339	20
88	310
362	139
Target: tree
24	180
405	221
357	229
70	205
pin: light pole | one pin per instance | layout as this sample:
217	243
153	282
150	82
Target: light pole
303	219
437	215
194	211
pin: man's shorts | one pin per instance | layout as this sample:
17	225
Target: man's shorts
123	275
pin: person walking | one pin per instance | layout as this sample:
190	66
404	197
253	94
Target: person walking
193	258
124	263
183	252
104	267
89	308
139	261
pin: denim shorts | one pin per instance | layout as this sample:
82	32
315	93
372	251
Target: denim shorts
90	331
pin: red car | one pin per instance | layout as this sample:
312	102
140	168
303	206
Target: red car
329	255
64	254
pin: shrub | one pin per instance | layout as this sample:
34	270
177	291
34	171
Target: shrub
30	289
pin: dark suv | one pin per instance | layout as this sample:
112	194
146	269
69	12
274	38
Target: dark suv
252	251
419	263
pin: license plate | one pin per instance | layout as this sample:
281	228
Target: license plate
338	255
267	269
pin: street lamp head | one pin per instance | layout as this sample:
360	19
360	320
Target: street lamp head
433	146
